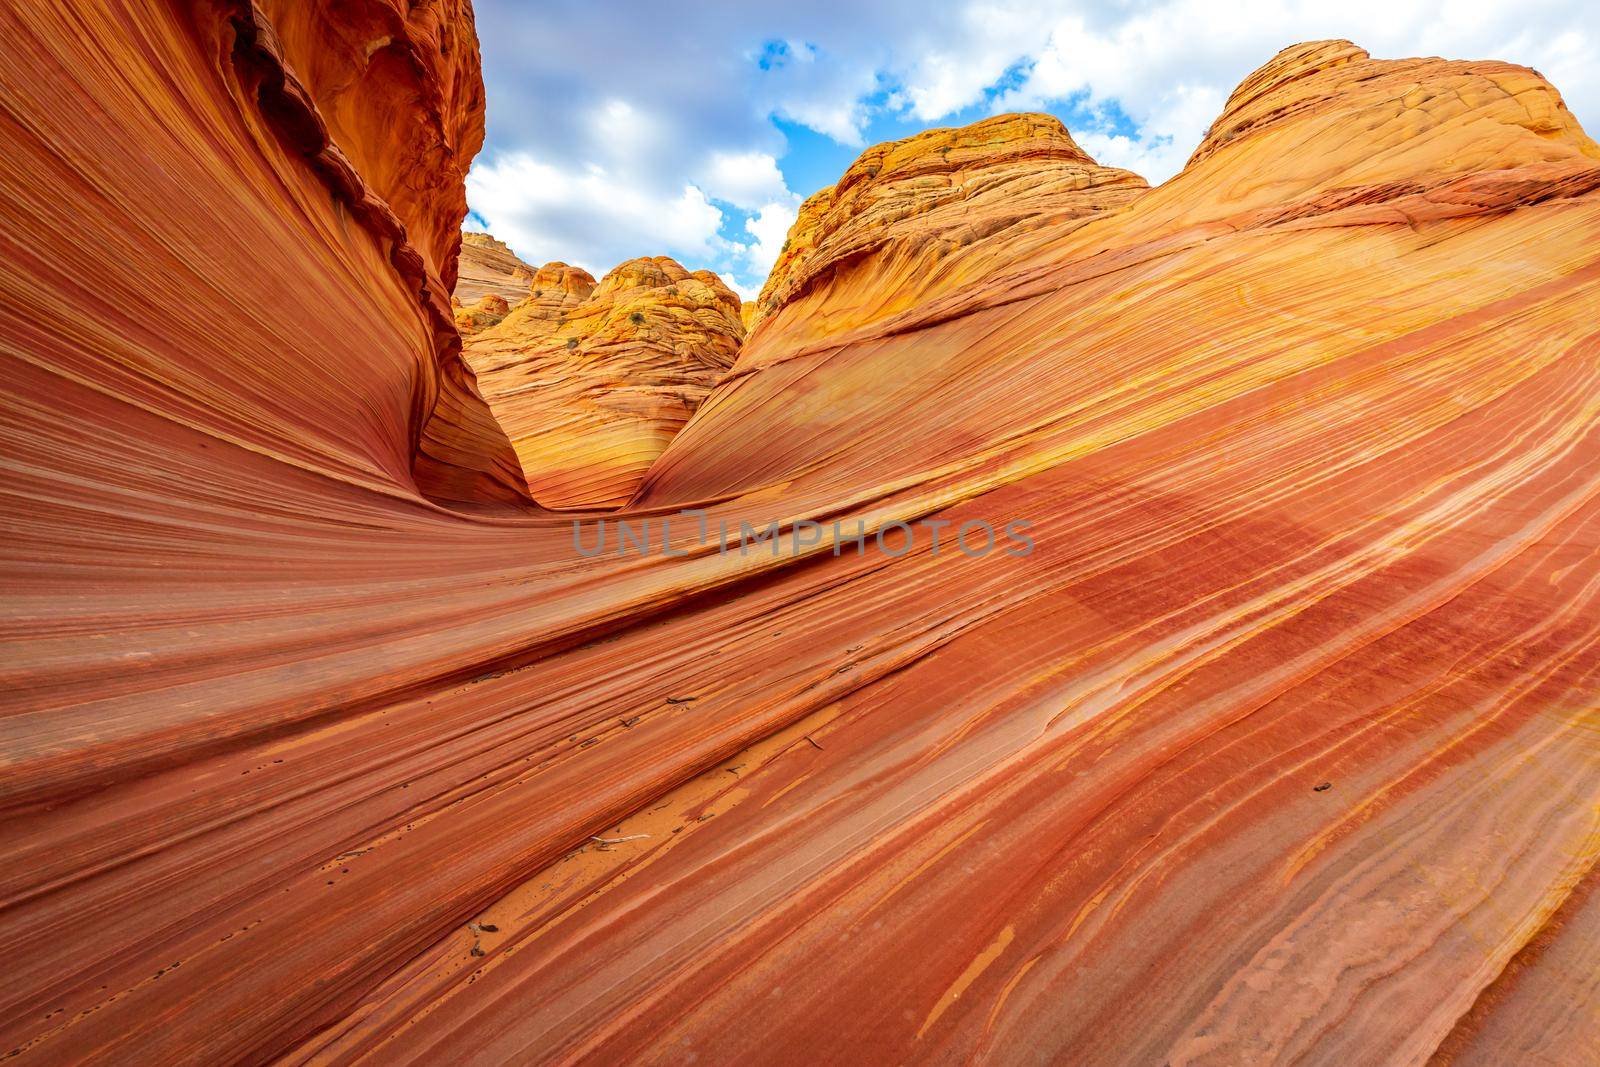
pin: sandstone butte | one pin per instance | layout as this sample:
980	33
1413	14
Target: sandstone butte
488	267
591	382
1282	746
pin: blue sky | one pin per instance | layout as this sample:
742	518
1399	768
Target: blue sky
694	130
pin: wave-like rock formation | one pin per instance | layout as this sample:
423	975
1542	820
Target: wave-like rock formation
592	382
321	744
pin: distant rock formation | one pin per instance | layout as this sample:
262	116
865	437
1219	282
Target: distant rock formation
592	382
553	285
489	267
490	309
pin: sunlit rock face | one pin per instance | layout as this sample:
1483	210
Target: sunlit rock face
556	289
489	268
1316	159
321	744
490	281
591	382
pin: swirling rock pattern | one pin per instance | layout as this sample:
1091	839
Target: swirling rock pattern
322	744
591	382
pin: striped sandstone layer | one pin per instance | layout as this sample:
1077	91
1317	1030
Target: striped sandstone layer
591	382
1281	746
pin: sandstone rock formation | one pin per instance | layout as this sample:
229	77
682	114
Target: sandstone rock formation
917	217
489	268
322	744
591	382
489	310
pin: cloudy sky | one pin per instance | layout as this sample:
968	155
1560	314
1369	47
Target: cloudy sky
621	129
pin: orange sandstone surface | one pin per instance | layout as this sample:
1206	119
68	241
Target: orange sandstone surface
591	381
490	281
321	743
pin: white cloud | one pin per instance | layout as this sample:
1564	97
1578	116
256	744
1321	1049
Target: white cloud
589	216
989	38
1166	138
622	127
744	179
1168	66
844	122
746	292
820	88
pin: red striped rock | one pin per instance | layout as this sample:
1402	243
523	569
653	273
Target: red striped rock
321	744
